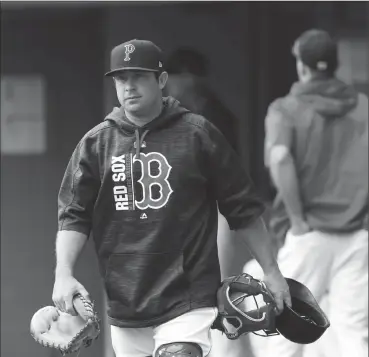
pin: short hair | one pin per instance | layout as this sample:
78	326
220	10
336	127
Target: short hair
187	60
317	50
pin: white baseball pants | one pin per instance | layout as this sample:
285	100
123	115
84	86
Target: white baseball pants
193	326
335	269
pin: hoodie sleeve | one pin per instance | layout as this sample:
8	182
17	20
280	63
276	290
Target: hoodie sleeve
79	189
229	182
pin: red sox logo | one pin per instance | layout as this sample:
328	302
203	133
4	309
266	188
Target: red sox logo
147	181
121	172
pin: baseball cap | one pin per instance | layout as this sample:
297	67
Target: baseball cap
316	49
135	55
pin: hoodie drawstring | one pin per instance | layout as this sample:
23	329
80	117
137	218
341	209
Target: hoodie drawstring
139	141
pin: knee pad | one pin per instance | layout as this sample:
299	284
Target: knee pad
179	349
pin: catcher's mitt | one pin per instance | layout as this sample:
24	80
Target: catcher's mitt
52	328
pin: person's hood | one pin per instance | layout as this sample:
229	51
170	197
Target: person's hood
329	97
172	110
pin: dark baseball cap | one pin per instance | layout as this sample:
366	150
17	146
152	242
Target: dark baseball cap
136	54
317	50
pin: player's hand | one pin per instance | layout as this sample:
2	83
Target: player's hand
65	288
299	228
277	285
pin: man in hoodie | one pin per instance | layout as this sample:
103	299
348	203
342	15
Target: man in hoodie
145	184
316	149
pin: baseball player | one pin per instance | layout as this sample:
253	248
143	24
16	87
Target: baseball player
316	149
145	184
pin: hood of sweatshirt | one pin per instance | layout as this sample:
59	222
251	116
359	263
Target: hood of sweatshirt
172	110
330	98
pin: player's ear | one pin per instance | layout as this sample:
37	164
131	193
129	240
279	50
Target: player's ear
163	78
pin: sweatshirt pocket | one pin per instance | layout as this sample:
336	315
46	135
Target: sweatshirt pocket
145	286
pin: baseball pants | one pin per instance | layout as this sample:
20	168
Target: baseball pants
335	268
193	326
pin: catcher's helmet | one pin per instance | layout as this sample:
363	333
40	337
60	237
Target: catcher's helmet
305	322
232	320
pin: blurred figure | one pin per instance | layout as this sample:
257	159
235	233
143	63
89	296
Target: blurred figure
188	70
316	149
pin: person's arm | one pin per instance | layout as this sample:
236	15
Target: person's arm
242	207
283	172
258	241
68	247
279	160
76	200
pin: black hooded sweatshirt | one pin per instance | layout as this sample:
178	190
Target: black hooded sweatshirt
149	197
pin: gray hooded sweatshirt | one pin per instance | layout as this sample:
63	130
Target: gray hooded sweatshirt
325	125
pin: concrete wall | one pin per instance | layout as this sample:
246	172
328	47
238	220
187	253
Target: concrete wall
65	47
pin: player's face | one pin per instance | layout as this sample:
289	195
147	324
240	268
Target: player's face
139	91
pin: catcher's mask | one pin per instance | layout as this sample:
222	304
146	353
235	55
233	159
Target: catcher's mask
305	322
232	319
